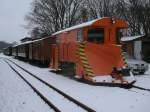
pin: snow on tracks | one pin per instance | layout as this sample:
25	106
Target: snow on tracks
15	95
50	93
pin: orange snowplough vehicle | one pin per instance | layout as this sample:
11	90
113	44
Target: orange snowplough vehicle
92	51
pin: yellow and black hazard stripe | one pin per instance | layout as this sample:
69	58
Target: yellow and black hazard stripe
84	60
124	58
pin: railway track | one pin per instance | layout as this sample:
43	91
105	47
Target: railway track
47	101
97	84
86	108
50	104
141	88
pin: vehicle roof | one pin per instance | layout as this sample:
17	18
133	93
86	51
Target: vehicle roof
89	23
28	42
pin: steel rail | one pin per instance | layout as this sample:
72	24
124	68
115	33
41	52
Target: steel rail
85	107
51	105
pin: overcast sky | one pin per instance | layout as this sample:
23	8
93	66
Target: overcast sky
12	13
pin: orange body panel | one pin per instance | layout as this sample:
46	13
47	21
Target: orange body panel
40	50
67	47
103	58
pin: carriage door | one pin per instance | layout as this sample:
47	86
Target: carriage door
54	57
137	49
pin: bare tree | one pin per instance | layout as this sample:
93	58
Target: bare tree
137	13
53	15
101	8
35	33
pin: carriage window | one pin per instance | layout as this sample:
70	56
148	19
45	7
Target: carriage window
96	35
80	36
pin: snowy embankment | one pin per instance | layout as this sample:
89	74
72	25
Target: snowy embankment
101	99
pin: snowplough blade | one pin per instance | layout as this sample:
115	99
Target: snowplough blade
108	84
100	60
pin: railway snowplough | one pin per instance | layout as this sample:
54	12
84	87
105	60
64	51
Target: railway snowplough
93	51
90	52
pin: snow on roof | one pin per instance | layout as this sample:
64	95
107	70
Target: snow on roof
78	26
23	43
28	42
130	38
38	40
16	44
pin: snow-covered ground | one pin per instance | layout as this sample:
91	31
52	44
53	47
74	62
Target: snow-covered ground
16	95
101	99
58	100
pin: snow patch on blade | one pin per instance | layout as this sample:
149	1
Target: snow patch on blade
102	79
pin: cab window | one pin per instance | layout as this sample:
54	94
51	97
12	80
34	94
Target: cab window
96	35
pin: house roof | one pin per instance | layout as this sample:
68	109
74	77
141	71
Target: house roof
131	38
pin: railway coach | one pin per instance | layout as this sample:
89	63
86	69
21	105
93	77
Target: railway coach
92	51
8	51
23	50
39	50
36	50
15	51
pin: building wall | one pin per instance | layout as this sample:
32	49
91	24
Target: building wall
134	49
138	49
